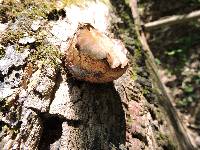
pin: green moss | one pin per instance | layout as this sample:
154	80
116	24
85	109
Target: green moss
38	8
12	115
69	2
83	2
11	37
161	136
2	52
126	32
165	141
47	54
134	74
129	120
25	12
137	56
107	2
145	91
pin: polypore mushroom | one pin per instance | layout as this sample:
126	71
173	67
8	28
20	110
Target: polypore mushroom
93	56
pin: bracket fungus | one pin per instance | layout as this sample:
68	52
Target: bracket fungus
92	56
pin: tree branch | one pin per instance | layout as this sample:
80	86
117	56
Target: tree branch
172	20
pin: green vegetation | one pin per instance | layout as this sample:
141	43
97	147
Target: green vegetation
164	141
2	52
11	9
12	114
181	55
69	2
25	13
126	32
190	89
180	51
11	37
47	54
192	1
137	56
81	2
176	48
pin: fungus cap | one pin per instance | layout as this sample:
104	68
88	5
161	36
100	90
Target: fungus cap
92	56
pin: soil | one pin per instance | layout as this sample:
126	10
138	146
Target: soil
177	52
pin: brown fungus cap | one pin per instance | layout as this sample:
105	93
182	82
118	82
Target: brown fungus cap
94	57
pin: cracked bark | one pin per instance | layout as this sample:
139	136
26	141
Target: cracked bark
56	111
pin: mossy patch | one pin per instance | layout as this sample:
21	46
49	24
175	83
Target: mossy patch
2	52
11	112
129	120
11	37
11	9
81	2
165	142
47	54
23	14
136	58
125	31
77	2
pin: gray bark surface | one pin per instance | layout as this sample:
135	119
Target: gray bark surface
43	107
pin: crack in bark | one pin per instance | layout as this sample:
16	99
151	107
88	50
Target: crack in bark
74	123
52	130
58	79
141	137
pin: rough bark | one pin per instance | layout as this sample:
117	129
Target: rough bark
43	107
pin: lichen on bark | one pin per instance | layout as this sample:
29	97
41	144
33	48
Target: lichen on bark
56	111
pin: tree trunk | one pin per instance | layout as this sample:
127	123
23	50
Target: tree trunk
43	107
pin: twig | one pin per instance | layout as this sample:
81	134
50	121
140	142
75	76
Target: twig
176	19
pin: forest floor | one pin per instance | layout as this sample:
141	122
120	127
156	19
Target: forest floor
177	52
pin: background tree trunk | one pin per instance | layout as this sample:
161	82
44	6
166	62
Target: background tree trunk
42	107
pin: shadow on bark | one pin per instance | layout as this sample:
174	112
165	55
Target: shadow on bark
99	121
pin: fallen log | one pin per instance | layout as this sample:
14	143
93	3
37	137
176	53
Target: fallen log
43	106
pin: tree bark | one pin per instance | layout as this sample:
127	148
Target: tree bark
43	107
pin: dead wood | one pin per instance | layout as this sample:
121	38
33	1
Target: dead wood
176	19
165	100
44	107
